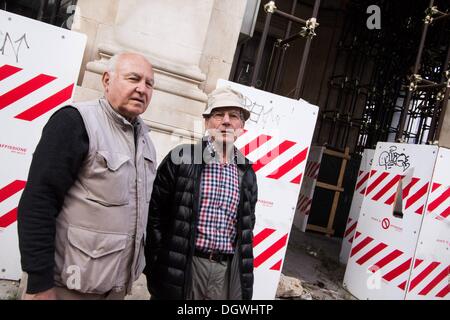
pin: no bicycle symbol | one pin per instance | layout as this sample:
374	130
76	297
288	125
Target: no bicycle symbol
385	223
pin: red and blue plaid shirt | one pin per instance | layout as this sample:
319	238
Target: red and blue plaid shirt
216	229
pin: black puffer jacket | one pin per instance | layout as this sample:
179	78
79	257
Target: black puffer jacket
173	216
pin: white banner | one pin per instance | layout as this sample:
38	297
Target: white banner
357	200
390	220
308	186
277	140
430	277
39	66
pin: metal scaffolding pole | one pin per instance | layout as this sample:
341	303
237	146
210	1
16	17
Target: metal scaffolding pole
432	131
269	8
406	102
301	72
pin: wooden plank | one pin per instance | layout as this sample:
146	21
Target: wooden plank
337	194
313	227
337	154
327	186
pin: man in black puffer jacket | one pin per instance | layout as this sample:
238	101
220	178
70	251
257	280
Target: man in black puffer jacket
202	212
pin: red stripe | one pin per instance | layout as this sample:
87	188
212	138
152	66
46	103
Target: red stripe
417	262
357	234
8	218
360	172
297	179
360	245
7	71
254	144
398	271
446	213
443	292
406	190
306	205
419	278
308	168
24	89
262	235
363	179
270	251
387	187
363	191
435	186
402	285
371	253
46	105
288	166
350	239
377	181
11	189
436	202
272	154
316	170
350	229
301	200
420	210
419	194
390	257
276	266
433	283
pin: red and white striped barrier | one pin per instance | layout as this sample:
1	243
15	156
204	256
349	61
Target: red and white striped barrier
382	252
358	196
39	65
430	278
277	140
305	198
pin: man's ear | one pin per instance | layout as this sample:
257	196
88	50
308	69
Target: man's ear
106	79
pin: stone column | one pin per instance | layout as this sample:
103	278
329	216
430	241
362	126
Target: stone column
190	43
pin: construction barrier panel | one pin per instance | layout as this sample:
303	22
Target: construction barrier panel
357	200
39	66
390	221
277	140
307	190
430	277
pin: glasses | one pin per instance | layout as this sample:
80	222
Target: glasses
232	115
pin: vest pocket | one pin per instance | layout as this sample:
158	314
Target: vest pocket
109	179
92	260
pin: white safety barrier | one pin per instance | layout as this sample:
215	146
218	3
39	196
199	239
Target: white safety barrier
307	190
357	200
277	140
39	66
382	254
430	277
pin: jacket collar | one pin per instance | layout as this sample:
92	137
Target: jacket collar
138	123
242	162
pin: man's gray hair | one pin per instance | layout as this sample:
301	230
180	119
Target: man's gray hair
112	62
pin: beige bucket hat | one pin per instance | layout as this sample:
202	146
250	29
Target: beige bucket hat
226	97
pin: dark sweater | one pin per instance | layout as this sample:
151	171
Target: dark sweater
56	161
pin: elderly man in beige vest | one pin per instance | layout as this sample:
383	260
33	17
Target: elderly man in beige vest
83	213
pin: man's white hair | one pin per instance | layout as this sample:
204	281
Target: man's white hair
112	62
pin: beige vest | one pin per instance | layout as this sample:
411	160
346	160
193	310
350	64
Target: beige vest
101	229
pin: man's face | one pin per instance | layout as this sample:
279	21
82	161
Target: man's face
129	88
225	125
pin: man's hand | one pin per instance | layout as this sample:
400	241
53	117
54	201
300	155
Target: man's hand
49	294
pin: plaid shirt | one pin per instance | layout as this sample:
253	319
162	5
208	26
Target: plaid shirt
216	229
